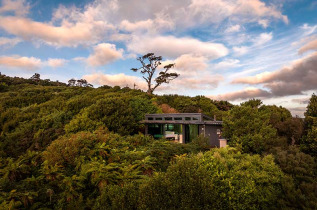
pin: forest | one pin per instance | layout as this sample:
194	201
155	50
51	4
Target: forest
73	146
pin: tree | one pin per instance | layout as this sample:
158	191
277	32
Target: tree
150	62
248	128
217	179
82	83
71	82
309	141
36	77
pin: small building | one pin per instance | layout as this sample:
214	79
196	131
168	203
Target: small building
184	127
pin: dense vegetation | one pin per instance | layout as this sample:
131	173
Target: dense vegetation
70	147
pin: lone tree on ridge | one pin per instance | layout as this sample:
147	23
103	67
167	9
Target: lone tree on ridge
149	64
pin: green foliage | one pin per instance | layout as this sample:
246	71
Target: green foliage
219	179
118	197
286	126
32	115
309	140
300	191
248	128
3	86
253	103
77	148
185	104
312	107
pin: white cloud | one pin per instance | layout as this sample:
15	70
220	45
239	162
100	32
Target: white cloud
264	23
121	79
241	11
174	47
188	64
56	62
18	7
10	42
262	39
227	64
240	50
153	26
140	25
202	81
232	29
308	29
101	20
103	54
69	34
311	45
29	63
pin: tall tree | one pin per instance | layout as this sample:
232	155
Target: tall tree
309	141
150	62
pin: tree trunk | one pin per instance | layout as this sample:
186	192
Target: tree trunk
149	91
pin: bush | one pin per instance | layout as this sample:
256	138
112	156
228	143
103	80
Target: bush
219	179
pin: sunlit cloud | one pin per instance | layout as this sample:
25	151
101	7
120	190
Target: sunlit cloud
311	45
29	63
56	62
174	47
103	54
9	42
18	7
121	79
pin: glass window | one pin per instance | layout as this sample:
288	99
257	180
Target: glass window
150	118
156	130
178	118
175	128
187	118
172	131
195	118
168	118
191	132
158	118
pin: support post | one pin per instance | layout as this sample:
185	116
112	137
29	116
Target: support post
146	131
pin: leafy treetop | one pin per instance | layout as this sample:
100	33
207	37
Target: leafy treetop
150	62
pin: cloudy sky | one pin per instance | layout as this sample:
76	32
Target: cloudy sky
225	49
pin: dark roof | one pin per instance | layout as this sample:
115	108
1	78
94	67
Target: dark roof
186	118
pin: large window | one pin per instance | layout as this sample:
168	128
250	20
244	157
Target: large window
172	131
156	130
191	132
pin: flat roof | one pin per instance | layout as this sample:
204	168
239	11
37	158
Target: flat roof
178	114
202	119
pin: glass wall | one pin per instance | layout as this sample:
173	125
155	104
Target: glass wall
191	132
156	130
172	131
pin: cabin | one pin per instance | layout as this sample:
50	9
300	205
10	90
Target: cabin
184	127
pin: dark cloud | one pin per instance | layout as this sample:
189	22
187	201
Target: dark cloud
243	94
300	76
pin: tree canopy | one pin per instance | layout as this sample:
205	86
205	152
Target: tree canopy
76	147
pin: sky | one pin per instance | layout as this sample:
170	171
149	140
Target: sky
224	49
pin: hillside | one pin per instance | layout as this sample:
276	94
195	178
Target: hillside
68	147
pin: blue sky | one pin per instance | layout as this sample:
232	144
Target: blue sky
225	49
